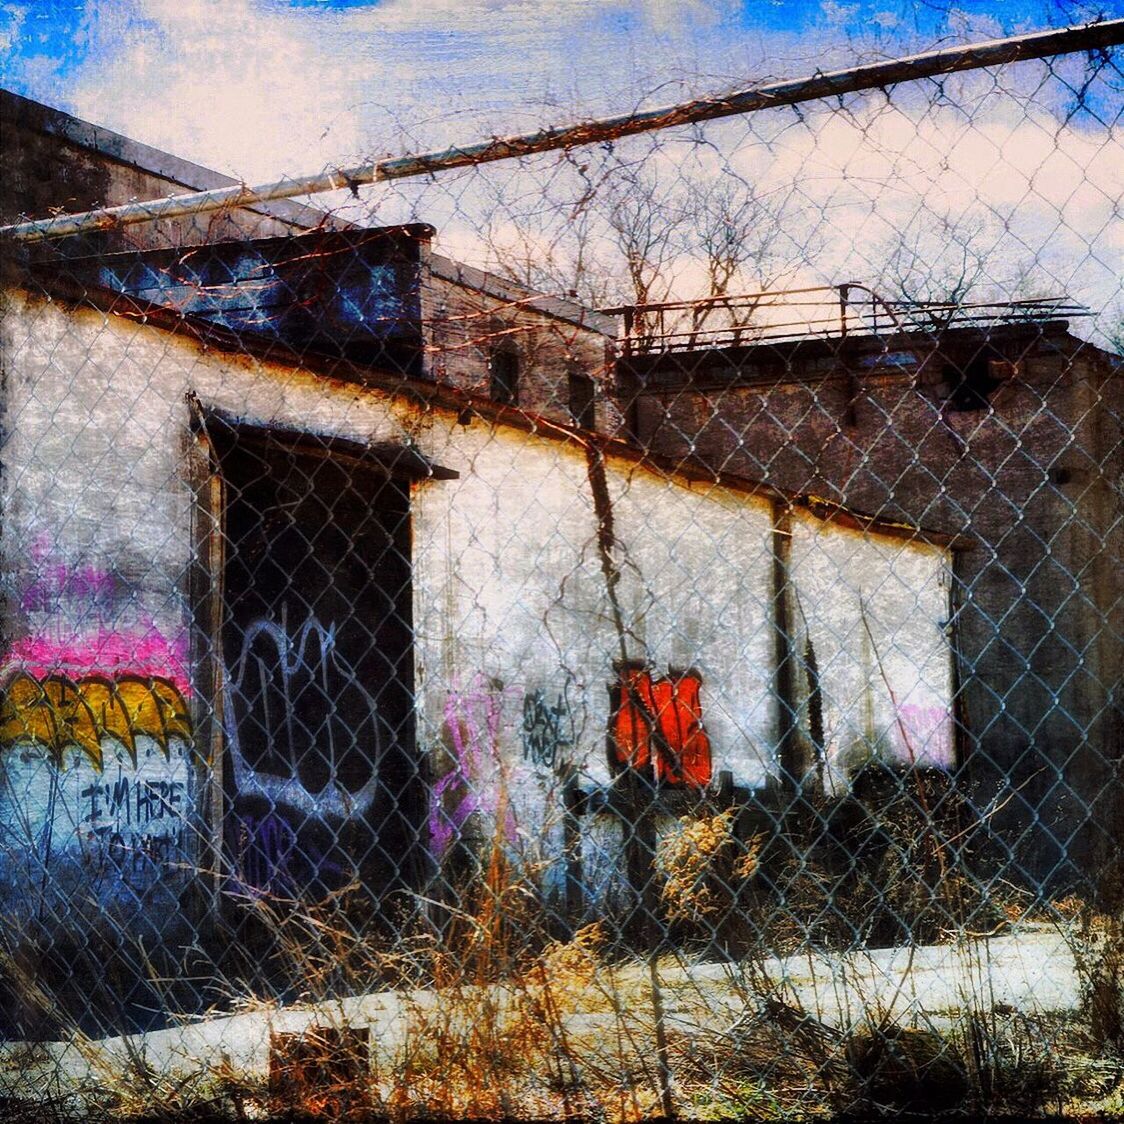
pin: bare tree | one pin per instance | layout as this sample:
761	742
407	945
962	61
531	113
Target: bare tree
948	260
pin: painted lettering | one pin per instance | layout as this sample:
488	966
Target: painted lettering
547	729
473	717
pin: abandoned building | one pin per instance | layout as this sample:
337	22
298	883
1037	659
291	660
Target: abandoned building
325	557
994	424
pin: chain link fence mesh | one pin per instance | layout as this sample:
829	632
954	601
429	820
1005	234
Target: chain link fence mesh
629	631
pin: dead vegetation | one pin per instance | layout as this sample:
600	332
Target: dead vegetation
479	1011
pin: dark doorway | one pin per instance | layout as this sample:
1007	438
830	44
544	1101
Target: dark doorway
321	781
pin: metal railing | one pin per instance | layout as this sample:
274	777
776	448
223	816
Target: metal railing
851	309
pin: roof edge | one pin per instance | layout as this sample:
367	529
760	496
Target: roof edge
434	395
38	117
514	292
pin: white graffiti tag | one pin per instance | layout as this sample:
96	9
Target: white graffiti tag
288	695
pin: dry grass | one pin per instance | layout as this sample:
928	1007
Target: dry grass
492	1015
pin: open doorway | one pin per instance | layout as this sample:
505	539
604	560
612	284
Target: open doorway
321	783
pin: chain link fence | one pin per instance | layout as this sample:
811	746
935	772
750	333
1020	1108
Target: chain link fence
629	630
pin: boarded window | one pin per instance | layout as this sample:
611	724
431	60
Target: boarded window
505	375
657	727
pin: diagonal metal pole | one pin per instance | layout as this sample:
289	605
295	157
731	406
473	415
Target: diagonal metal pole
1018	48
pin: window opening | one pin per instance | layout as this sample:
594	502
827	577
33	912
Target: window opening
505	375
581	399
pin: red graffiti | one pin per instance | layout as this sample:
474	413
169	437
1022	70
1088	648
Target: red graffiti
658	729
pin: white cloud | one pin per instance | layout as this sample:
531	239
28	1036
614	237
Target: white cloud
262	90
12	19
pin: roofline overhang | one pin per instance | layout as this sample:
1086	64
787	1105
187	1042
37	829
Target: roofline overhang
429	395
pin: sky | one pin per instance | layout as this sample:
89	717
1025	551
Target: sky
260	89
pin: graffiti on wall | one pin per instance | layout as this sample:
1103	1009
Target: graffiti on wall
83	621
548	729
269	856
123	829
305	740
59	713
136	820
98	775
657	727
469	779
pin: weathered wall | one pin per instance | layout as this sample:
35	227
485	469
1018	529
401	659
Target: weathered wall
515	636
97	518
1033	485
517	641
468	314
50	160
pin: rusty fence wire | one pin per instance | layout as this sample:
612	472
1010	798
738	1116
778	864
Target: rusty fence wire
632	630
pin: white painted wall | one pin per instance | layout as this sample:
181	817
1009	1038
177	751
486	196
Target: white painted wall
875	608
513	626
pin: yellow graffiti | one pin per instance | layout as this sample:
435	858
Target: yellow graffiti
57	712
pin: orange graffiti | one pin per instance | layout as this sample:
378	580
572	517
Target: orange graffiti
658	727
58	712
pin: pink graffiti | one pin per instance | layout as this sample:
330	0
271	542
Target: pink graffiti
70	593
146	651
472	717
925	733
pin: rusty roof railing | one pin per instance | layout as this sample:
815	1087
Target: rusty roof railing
851	309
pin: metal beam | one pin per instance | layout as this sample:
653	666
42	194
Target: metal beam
1019	48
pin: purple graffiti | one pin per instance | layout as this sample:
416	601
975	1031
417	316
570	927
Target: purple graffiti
926	734
266	847
473	717
93	589
273	859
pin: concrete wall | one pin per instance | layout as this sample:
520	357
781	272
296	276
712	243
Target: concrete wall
515	636
95	544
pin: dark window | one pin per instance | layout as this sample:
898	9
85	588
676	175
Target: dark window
505	375
581	400
969	387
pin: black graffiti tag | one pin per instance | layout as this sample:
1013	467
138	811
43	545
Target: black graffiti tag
547	729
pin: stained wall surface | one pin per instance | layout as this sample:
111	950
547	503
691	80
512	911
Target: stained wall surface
518	630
